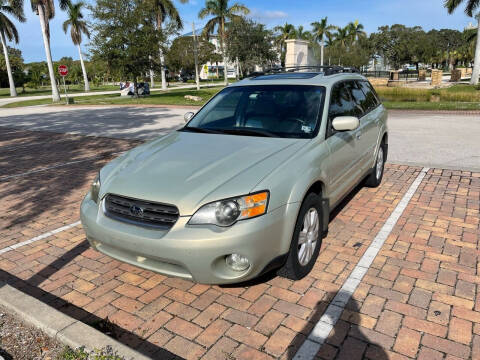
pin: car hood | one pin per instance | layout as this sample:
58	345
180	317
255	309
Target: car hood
190	169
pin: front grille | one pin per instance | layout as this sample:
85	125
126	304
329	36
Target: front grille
141	212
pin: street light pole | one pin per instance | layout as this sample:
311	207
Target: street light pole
197	79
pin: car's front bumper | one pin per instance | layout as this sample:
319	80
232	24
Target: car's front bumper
192	251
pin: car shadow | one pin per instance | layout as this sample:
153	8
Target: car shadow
30	287
26	195
114	122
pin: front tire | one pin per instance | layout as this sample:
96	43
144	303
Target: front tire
306	241
376	175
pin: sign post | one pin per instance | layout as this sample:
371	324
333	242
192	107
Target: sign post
63	71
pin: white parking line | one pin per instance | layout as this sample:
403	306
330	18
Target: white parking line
3	178
324	326
38	238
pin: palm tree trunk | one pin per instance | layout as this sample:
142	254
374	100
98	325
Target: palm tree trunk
476	64
321	52
85	77
162	64
152	75
46	43
222	46
13	90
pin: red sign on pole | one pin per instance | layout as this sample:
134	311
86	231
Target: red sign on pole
63	70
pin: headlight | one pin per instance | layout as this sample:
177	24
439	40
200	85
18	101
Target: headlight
227	212
95	188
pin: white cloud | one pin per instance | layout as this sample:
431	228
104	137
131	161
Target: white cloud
268	14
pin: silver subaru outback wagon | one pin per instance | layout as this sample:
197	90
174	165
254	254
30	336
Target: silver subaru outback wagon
247	185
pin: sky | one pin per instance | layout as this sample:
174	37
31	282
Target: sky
430	14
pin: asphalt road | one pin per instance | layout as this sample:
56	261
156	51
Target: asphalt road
442	140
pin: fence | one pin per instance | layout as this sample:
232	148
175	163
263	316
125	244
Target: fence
402	75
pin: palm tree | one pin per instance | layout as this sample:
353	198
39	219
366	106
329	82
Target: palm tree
164	9
221	12
342	37
355	30
301	34
471	7
9	31
45	9
322	30
78	26
284	32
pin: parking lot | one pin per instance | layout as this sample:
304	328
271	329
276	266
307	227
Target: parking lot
418	298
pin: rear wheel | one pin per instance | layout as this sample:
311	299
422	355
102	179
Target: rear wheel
306	241
376	175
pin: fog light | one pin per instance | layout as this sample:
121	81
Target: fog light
237	262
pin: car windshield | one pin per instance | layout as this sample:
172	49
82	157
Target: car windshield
290	111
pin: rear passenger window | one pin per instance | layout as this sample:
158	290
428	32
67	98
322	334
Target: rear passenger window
341	102
359	98
371	97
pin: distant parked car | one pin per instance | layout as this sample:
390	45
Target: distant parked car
184	77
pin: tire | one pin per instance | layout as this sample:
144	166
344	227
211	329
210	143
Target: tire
299	263
376	175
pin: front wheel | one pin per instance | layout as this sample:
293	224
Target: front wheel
306	241
376	175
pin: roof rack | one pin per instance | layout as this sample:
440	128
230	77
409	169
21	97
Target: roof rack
326	69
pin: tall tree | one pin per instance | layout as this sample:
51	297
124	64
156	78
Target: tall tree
356	31
78	26
284	33
9	31
180	56
471	9
321	30
45	9
221	12
342	37
165	9
251	44
302	34
124	34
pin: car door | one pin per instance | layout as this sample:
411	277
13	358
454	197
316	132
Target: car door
366	136
342	168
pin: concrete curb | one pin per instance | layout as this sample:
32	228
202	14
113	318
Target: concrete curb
59	326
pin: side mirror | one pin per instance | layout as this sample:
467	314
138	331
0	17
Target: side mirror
345	123
188	116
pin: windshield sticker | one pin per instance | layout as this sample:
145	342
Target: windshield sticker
306	129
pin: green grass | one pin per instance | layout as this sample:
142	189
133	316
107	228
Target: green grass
455	94
172	97
46	90
427	105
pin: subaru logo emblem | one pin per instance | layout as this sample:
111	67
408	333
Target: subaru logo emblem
136	211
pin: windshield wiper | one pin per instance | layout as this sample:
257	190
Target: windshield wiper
200	130
249	132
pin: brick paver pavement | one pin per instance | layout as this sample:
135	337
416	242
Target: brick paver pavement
418	300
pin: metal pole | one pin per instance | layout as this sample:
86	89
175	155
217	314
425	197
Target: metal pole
197	79
65	88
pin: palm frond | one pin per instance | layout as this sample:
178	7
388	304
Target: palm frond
210	27
451	5
239	9
8	28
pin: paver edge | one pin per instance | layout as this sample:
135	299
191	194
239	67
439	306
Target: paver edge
22	305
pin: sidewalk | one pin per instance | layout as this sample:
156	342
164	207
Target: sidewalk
92	93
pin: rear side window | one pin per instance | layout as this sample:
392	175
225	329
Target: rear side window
359	97
371	97
341	102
